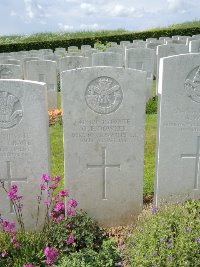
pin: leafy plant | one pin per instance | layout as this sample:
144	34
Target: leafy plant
168	237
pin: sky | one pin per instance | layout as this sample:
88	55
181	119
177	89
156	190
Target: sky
33	16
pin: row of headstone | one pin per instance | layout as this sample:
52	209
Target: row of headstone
104	119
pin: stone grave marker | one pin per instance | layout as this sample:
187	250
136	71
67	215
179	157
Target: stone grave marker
68	63
167	50
107	59
178	137
44	71
194	46
24	146
104	111
10	71
142	59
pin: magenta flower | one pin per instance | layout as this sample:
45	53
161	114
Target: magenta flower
4	254
45	178
43	187
53	186
51	255
63	193
71	212
57	179
72	203
59	206
8	227
70	240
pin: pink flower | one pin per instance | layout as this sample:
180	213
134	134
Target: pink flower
71	212
45	178
59	206
51	255
72	203
53	186
43	187
70	240
57	179
63	193
4	254
8	227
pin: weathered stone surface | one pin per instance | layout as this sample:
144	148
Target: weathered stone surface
10	71
178	138
24	146
44	71
104	112
107	59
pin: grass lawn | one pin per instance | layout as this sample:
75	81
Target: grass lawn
57	159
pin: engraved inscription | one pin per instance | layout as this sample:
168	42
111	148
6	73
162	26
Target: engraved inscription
9	180
104	166
10	110
197	163
104	95
192	85
5	73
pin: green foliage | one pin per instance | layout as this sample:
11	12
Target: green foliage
86	232
66	41
152	105
169	237
108	256
31	250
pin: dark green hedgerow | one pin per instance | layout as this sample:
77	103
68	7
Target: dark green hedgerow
52	44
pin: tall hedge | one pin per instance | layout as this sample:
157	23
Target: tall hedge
25	46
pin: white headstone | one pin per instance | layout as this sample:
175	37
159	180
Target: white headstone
44	71
178	143
104	111
68	63
194	46
107	59
24	146
10	71
72	49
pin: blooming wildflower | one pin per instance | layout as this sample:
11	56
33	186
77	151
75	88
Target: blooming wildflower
70	240
8	227
71	212
63	193
4	254
168	245
154	210
197	240
43	187
45	178
57	179
59	206
68	226
53	186
51	255
72	203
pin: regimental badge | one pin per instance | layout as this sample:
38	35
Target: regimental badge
104	95
10	110
192	85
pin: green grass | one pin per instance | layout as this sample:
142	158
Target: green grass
57	159
186	24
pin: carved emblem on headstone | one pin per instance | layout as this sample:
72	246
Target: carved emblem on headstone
10	110
192	85
104	95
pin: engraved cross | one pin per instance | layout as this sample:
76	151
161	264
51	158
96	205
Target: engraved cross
104	166
197	163
9	180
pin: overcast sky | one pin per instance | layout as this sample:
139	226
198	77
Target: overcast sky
32	16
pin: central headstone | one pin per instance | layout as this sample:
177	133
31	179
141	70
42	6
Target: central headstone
104	111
